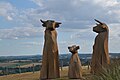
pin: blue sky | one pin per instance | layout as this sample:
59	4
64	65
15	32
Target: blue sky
21	32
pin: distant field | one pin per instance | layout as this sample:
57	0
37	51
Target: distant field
31	64
11	65
7	64
35	76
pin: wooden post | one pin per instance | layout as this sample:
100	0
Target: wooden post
61	65
33	68
3	72
6	71
19	69
88	65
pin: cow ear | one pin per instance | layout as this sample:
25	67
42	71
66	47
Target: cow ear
42	21
77	47
104	26
68	47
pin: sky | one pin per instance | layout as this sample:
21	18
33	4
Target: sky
21	32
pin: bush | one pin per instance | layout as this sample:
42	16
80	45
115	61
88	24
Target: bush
110	73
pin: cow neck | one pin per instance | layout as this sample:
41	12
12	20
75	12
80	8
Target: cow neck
50	29
105	34
74	53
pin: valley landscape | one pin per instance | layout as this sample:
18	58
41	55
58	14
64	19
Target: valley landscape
28	61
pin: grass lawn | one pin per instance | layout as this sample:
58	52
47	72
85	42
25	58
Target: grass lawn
35	76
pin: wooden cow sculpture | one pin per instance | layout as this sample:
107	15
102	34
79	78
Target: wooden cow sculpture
50	60
75	68
100	56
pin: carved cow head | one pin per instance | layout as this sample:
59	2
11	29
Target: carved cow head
73	49
100	27
50	24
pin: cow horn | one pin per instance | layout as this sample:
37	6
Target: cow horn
42	21
98	21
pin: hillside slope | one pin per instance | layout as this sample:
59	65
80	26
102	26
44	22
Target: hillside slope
35	76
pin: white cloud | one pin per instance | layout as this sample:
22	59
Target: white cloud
20	32
72	13
114	38
7	10
9	18
80	10
106	3
32	43
114	31
38	2
83	34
